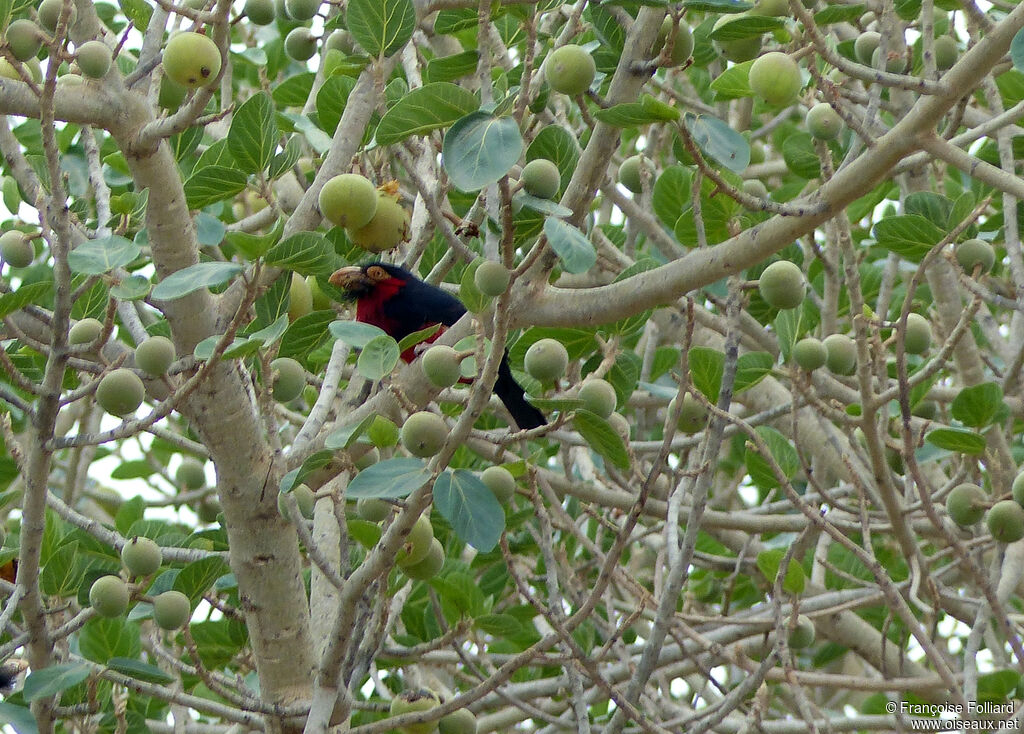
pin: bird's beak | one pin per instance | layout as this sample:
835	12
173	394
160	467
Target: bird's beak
349	278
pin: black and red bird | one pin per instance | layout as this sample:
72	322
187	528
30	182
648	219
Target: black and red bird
398	302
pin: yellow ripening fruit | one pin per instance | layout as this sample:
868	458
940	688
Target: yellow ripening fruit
191	59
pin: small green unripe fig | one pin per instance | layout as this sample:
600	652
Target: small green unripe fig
191	474
302	9
895	62
7	71
85	331
809	353
373	509
423	434
546	360
621	425
598	397
775	78
919	334
965	504
631	172
304	499
570	70
259	12
946	52
155	355
348	200
321	301
388	228
288	379
823	122
171	94
108	595
969	253
191	60
300	298
208	509
1005	521
865	45
842	354
492	278
782	285
368	459
755	187
1018	488
94	59
682	46
120	392
926	409
460	721
171	610
736	50
340	40
412	702
300	44
693	417
803	634
500	481
23	39
15	247
141	556
758	154
417	543
49	13
382	432
541	178
429	566
441	365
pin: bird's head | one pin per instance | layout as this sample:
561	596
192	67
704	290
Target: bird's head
358	281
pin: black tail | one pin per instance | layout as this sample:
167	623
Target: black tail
514	397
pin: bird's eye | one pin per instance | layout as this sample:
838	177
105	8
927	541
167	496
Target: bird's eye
377	273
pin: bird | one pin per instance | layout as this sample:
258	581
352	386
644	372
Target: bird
395	300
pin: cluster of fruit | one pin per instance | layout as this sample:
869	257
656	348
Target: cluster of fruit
372	217
967	504
110	595
300	43
121	391
25	37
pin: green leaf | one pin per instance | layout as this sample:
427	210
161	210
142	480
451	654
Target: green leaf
910	236
53	680
390	479
576	252
355	333
138	12
132	288
305	334
751	368
449	68
253	246
129	513
411	340
769	562
839	14
997	686
294	91
19	718
746	26
62	574
378	357
139	670
194	277
717	6
782	452
470	508
933	207
431	107
559	146
499	625
30	293
644	112
282	162
314	461
1017	50
977	405
102	255
197	577
331	101
544	206
212	184
307	253
706	368
957	439
733	83
601	437
479	149
718	141
341	438
253	135
381	27
800	156
671	194
102	639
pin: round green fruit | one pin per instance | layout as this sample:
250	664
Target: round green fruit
803	634
417	544
598	396
682	46
965	504
15	248
141	556
1018	488
191	60
342	41
120	392
1005	521
321	301
171	610
546	360
348	200
810	353
926	409
693	417
570	70
259	12
208	509
775	78
758	153
94	59
755	187
191	474
541	178
49	13
740	49
946	52
85	331
300	298
970	254
415	702
171	94
300	44
461	721
304	500
865	45
388	227
782	285
7	71
423	434
441	365
842	354
895	63
109	596
630	172
918	336
372	509
621	425
492	278
500	481
823	122
288	379
429	566
155	355
23	39
302	9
